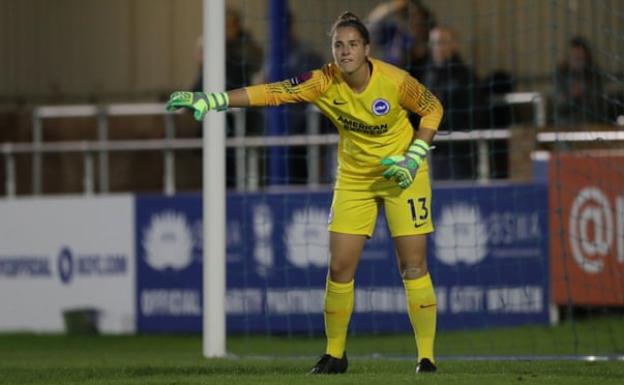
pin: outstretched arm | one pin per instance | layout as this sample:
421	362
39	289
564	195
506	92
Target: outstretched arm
201	102
304	88
238	98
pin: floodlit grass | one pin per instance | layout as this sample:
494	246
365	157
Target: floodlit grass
596	337
55	359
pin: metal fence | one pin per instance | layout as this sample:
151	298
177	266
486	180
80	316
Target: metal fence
247	164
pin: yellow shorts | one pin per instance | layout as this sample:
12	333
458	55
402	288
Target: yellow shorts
408	211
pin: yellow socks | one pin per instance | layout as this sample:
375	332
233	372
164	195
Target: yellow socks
338	308
421	303
421	306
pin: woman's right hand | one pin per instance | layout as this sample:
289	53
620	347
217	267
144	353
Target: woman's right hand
198	102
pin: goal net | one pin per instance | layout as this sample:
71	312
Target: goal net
527	176
527	257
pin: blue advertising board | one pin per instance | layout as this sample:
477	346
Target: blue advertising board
488	258
489	255
168	242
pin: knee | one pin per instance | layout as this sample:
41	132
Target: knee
341	270
413	270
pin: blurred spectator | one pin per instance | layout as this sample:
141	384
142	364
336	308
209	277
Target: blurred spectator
578	94
243	59
401	28
495	86
498	115
243	54
301	58
457	87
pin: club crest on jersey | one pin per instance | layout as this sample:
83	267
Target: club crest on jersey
380	107
295	81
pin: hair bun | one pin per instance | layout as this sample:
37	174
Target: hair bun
349	19
349	16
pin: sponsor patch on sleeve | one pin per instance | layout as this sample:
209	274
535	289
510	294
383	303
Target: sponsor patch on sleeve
295	81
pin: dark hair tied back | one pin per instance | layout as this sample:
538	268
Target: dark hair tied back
349	19
348	16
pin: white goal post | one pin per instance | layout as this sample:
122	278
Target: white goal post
213	186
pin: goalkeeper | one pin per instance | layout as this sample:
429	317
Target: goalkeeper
382	160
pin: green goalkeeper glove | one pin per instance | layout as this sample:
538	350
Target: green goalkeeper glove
198	102
402	168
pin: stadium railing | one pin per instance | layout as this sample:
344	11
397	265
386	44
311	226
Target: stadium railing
247	165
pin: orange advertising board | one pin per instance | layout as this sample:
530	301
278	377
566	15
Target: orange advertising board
587	229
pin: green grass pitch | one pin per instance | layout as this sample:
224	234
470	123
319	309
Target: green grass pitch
56	359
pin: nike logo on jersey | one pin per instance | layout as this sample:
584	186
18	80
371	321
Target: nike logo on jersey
339	102
417	225
426	306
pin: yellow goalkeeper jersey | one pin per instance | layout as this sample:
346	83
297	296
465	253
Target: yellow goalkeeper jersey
372	124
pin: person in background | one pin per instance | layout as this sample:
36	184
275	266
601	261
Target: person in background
498	115
401	28
579	87
243	59
458	89
243	55
301	58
